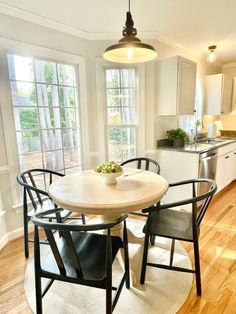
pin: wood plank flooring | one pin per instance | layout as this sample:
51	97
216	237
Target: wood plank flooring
218	264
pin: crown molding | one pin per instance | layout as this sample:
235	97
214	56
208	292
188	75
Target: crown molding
58	26
229	65
43	21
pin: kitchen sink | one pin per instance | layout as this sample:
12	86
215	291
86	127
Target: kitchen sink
210	141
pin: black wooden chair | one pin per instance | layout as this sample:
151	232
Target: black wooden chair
164	221
35	183
80	257
144	163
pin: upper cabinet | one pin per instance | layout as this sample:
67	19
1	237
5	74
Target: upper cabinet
176	84
218	94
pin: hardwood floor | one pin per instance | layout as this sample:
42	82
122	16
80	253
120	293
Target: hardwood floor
218	264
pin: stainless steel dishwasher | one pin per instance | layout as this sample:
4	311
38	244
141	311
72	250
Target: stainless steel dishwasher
207	167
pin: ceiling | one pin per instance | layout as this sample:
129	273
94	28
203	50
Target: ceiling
190	24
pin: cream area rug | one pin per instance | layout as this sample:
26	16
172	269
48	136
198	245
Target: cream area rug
163	293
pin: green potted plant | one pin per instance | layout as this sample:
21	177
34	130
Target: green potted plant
178	136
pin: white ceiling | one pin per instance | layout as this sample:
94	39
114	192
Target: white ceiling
191	24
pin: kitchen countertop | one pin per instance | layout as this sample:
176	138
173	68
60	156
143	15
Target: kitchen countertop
200	147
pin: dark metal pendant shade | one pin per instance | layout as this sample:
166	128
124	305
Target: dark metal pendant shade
129	49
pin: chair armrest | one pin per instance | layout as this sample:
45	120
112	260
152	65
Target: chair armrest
185	201
36	219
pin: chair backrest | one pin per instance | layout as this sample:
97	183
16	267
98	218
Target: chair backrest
143	163
199	201
35	183
66	230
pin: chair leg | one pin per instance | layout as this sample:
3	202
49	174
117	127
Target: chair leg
197	267
26	235
38	292
172	251
144	261
152	239
126	258
83	219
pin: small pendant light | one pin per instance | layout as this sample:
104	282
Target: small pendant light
130	49
211	57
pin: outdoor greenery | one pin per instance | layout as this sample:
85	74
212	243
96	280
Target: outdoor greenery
44	102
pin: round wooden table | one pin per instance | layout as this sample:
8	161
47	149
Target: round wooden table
86	192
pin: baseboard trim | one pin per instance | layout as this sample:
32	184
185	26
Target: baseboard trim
12	235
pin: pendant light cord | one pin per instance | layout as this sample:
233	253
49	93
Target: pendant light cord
129	5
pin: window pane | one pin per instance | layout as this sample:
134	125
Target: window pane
68	97
45	71
47	95
66	74
23	94
127	97
28	142
69	117
53	160
127	78
20	68
72	157
112	78
113	97
30	161
49	118
51	140
70	138
26	118
121	143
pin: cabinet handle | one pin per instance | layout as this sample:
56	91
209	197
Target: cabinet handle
226	157
222	111
234	153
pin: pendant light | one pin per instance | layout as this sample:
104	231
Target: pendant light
211	57
130	49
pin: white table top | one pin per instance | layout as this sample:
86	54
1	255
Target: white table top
86	192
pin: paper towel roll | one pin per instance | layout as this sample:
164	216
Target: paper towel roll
211	130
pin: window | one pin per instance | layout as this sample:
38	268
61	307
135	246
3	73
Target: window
121	113
46	115
188	122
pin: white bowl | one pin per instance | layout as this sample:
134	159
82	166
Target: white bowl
110	178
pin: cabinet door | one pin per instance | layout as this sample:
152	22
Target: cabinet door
220	176
224	171
167	86
187	86
176	83
227	95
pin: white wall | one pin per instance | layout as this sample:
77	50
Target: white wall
26	32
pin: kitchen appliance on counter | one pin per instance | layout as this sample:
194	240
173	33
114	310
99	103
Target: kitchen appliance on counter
212	130
207	167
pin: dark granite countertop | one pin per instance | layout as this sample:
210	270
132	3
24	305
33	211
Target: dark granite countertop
200	147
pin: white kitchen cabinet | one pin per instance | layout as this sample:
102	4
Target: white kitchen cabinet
218	94
176	85
226	165
177	166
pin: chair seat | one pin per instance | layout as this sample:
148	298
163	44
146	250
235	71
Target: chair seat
48	204
93	264
171	224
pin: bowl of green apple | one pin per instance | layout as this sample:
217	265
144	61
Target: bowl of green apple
109	171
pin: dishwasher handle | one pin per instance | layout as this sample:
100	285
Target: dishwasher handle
209	157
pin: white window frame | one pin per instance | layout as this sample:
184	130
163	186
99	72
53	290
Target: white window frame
101	65
28	50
